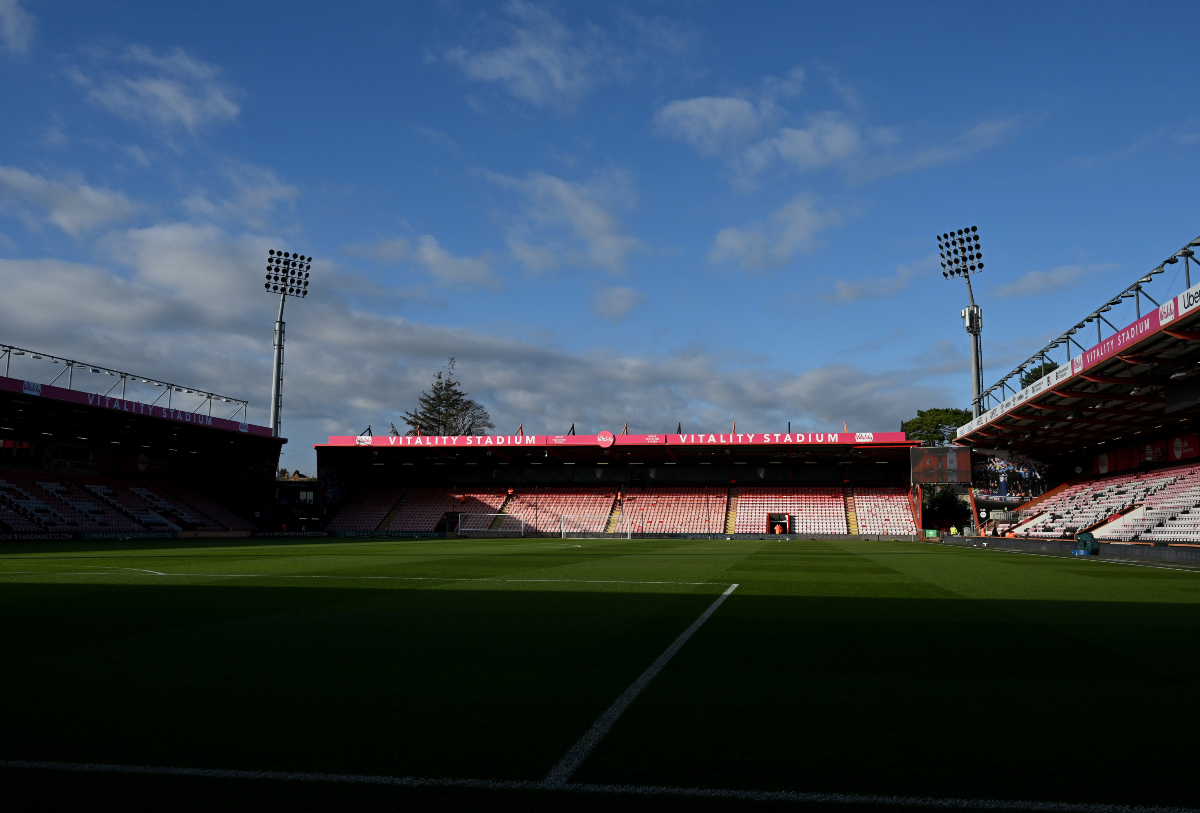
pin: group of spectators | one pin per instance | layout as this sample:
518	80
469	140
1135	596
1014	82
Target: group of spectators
1017	476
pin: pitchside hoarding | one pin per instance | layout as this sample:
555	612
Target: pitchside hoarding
607	439
1165	314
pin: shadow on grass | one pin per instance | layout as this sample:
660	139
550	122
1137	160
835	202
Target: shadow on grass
915	696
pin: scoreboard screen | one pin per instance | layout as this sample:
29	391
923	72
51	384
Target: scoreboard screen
941	464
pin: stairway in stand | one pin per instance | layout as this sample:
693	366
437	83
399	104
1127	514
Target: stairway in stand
731	510
387	521
851	511
498	522
613	518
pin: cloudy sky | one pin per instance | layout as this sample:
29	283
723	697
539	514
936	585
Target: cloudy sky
655	213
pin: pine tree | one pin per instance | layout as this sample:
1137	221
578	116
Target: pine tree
444	409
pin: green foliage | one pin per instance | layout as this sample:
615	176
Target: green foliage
1034	373
935	427
943	507
444	409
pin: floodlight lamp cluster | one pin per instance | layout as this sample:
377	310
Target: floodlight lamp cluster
960	252
287	273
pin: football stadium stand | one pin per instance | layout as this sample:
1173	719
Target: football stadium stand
1149	506
39	501
676	510
424	509
813	509
884	510
543	508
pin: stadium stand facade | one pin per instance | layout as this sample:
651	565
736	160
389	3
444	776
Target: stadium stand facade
77	464
657	485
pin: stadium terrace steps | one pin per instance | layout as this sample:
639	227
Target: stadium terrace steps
423	509
219	515
386	522
366	511
851	510
731	511
613	518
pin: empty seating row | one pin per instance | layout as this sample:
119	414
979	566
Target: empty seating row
812	509
543	509
46	501
675	509
883	510
424	508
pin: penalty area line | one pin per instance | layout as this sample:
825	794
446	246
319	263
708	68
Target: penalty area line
561	772
578	787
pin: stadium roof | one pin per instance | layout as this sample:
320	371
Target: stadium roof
1142	382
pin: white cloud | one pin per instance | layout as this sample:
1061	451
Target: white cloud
1041	282
387	252
597	236
443	267
873	287
255	193
544	62
828	138
73	207
980	137
447	269
709	123
614	303
167	91
179	304
17	27
792	228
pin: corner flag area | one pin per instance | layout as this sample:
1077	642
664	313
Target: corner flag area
596	674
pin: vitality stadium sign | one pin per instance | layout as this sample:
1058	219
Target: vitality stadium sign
606	439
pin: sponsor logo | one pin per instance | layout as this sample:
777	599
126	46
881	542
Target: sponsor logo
1102	462
1166	311
604	440
31	388
143	462
1188	300
1177	448
653	473
599	473
762	473
859	437
362	440
243	426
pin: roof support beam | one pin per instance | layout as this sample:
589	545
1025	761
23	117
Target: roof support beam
1104	396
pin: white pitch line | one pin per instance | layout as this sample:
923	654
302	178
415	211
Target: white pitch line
579	787
301	576
561	772
1095	561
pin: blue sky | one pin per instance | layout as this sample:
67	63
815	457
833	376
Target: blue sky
653	213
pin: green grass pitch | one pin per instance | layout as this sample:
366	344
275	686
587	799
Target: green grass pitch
857	667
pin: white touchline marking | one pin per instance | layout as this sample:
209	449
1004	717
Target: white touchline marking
580	787
301	576
1096	561
566	766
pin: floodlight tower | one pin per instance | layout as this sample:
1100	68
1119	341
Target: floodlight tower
287	275
961	257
